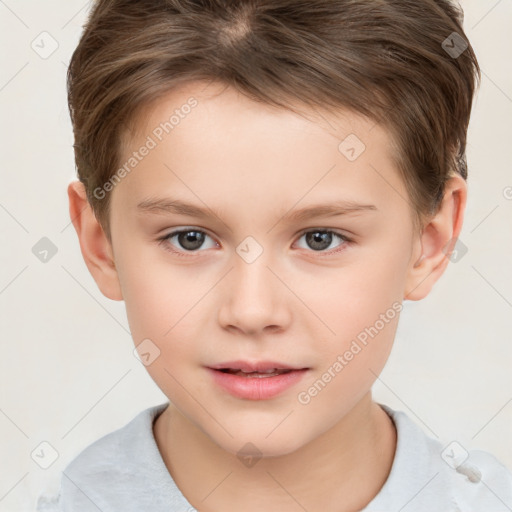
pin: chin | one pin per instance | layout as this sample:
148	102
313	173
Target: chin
252	442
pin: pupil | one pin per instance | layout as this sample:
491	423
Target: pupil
319	240
191	239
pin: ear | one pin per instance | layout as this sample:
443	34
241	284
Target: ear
437	240
94	244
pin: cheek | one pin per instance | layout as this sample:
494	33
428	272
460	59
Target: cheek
360	304
159	295
162	306
355	296
165	305
349	365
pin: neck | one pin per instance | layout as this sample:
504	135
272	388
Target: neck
343	469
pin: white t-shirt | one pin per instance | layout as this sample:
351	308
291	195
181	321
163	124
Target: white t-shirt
124	472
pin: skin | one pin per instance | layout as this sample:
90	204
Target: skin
252	163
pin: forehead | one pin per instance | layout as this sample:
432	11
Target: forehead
208	105
210	141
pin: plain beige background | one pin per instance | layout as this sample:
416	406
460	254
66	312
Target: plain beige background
67	371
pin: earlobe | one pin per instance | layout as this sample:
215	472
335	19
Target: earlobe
94	244
433	247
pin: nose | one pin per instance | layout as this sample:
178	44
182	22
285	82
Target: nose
255	299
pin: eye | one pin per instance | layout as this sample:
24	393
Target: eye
190	240
321	239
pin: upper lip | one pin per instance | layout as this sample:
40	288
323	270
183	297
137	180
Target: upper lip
254	366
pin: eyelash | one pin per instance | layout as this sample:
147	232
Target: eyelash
164	241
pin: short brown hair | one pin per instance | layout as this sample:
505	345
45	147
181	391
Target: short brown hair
404	64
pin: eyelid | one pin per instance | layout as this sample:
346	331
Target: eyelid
185	229
329	230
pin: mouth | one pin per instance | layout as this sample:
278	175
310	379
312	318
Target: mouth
259	369
257	380
271	372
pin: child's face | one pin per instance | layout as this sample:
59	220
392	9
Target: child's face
224	301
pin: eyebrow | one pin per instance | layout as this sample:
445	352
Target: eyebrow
162	206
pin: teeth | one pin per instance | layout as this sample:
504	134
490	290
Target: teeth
271	372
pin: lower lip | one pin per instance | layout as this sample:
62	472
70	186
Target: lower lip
256	388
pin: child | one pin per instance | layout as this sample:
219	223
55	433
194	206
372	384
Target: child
220	145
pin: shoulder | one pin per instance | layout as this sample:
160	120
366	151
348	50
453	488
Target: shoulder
116	448
479	478
428	473
111	467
